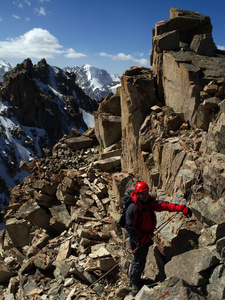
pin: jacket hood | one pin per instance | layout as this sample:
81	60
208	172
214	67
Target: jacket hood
134	196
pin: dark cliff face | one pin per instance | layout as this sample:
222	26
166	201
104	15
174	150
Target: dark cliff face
45	97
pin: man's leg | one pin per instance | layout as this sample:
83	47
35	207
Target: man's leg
138	265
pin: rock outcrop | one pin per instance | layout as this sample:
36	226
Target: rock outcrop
180	51
62	234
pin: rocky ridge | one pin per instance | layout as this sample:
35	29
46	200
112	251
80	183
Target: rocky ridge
38	105
62	231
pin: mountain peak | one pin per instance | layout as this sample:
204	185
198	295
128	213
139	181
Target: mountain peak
96	83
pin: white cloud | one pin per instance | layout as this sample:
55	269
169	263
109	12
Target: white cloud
122	56
27	2
220	47
27	19
44	0
41	11
20	5
36	43
16	17
71	53
1	20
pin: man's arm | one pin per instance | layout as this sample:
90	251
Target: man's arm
130	214
167	206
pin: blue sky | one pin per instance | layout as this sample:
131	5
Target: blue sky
112	35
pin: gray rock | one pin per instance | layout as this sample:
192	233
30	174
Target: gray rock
34	213
171	289
216	286
60	217
193	266
19	232
154	269
209	211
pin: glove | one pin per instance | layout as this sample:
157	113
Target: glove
185	210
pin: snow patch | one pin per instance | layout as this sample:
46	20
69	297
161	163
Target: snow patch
88	118
4	67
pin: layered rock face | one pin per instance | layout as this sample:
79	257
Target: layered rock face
189	88
180	58
164	126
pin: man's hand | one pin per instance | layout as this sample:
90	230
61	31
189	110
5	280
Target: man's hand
185	210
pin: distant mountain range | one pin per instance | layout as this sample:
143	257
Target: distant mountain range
96	83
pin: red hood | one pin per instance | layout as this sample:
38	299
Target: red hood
134	196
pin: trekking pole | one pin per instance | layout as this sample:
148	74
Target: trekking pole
162	225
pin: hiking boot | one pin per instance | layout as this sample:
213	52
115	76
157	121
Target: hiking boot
134	289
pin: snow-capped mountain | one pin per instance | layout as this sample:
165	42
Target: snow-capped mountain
39	104
96	83
4	67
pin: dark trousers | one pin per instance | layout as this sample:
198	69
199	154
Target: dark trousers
138	262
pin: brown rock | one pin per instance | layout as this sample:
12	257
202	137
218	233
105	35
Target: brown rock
77	143
5	274
107	128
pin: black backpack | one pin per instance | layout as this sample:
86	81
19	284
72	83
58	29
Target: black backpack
127	200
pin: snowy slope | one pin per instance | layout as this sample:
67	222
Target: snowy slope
16	143
96	83
4	67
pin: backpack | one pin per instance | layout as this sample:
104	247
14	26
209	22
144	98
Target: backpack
127	200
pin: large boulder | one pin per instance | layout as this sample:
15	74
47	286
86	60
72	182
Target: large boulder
193	266
108	120
111	104
107	129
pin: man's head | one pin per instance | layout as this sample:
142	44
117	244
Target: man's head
142	190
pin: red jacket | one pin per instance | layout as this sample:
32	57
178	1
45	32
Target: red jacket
141	217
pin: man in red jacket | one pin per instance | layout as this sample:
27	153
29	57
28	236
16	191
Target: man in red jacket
140	224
